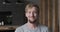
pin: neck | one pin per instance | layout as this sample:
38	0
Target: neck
32	25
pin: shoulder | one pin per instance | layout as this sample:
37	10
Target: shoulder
44	28
20	28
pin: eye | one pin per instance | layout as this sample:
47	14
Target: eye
29	12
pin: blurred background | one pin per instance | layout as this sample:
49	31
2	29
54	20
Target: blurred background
12	14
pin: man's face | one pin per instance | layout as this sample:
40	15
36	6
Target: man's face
31	14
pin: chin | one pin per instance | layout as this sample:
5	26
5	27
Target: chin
32	19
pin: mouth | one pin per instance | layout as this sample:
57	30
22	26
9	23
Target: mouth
32	17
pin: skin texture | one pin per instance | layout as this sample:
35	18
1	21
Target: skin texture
31	15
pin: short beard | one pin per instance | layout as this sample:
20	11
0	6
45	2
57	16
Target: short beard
32	22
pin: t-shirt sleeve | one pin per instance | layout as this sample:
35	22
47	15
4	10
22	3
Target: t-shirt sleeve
48	30
19	30
45	29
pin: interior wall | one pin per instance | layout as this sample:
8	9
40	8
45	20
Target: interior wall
34	1
59	13
49	14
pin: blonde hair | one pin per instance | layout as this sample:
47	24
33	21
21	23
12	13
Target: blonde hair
30	5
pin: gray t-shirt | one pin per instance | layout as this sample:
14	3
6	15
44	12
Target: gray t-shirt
24	28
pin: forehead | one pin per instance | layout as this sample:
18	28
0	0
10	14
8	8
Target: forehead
32	9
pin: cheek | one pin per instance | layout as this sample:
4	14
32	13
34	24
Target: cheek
35	15
27	15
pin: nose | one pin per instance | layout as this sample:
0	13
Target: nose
32	14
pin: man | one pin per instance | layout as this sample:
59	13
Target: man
32	25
